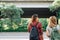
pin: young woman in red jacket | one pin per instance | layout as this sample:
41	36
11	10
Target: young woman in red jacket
34	20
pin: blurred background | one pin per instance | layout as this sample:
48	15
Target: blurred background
17	21
15	16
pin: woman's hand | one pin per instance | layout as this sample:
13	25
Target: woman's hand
41	37
47	33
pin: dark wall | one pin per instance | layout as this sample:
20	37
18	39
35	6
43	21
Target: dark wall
42	12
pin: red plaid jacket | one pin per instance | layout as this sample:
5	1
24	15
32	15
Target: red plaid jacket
39	27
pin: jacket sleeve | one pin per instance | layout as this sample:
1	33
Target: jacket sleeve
40	29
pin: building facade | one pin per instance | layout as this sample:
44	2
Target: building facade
29	3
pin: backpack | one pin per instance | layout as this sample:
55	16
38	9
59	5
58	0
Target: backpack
55	35
34	35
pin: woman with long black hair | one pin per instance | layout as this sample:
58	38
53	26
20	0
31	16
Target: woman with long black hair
34	20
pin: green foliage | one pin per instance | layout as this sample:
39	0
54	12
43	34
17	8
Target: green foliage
11	17
0	26
24	23
6	25
55	7
58	13
44	23
12	12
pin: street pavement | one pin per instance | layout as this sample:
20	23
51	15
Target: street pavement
17	36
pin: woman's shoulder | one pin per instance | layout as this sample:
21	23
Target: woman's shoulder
39	23
47	28
58	26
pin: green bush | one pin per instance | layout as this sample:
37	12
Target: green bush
55	7
11	17
44	23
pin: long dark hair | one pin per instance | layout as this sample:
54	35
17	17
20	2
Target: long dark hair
34	17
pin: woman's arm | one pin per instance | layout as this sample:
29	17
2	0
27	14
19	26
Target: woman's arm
41	37
40	31
47	31
58	28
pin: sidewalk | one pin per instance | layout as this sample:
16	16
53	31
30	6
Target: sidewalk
17	36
